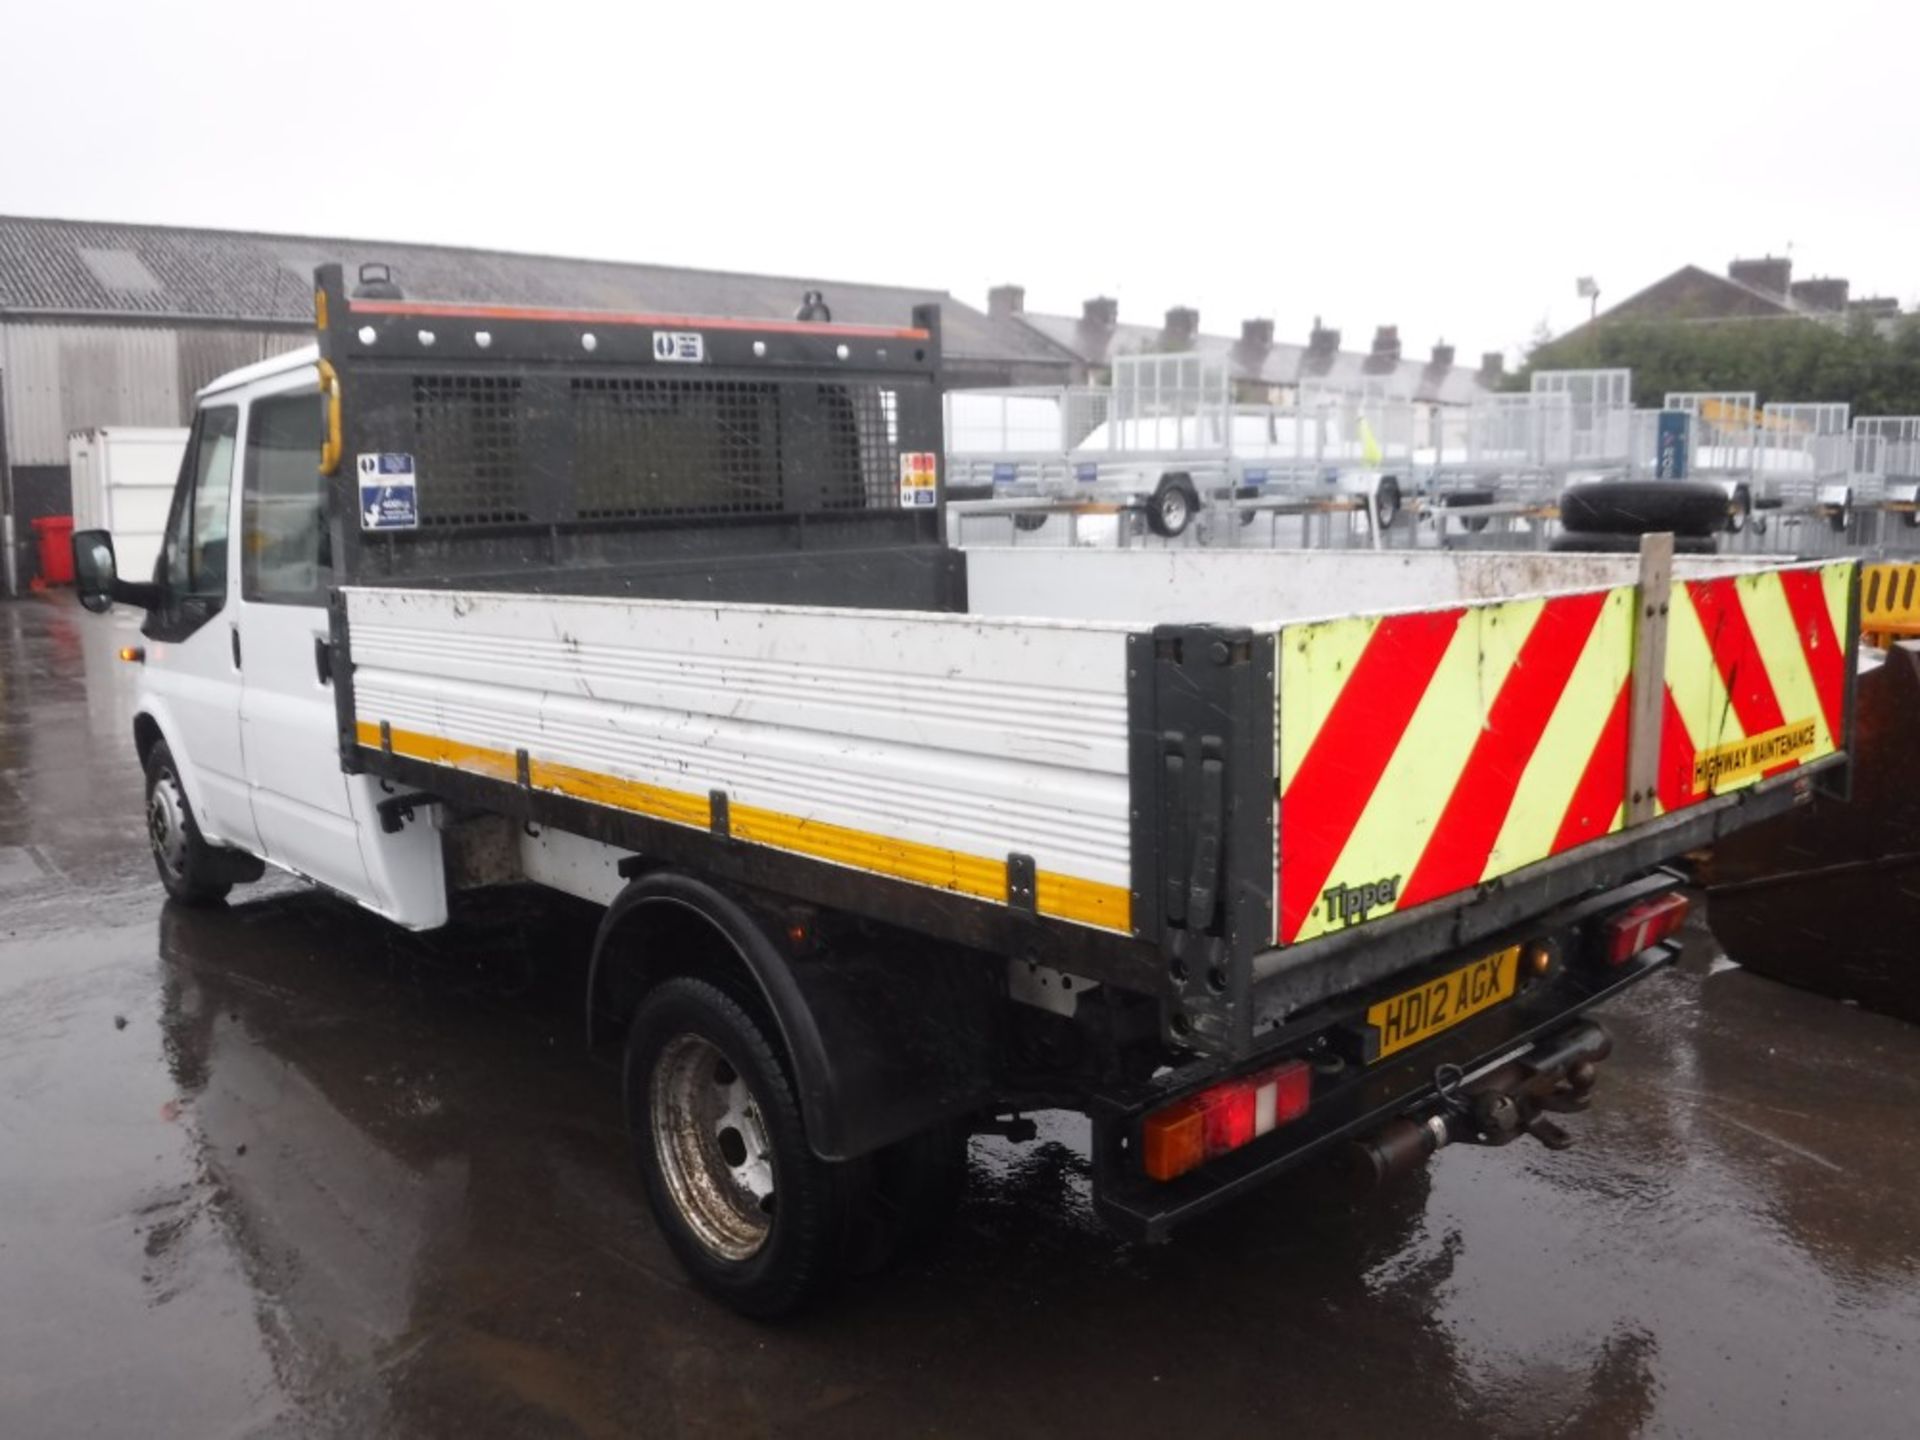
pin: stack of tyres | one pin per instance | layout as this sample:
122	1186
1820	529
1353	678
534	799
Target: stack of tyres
1610	516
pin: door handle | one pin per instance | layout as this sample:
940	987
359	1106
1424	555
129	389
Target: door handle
323	660
233	631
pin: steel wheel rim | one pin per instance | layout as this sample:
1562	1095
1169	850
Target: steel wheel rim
711	1142
1173	509
166	824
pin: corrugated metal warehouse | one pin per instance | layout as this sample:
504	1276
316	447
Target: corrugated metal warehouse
109	324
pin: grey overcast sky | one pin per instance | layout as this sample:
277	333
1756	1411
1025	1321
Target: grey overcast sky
1449	167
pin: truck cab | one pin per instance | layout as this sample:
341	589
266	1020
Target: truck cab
234	715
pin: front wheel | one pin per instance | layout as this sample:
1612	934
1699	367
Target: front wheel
754	1216
189	867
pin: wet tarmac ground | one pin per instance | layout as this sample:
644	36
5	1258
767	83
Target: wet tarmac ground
278	1169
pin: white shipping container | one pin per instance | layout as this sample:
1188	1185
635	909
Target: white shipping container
123	479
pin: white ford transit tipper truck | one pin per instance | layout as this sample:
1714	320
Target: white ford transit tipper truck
1245	856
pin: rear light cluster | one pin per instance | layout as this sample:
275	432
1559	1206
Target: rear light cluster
1645	924
1223	1117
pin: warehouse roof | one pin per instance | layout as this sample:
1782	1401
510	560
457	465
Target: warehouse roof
73	269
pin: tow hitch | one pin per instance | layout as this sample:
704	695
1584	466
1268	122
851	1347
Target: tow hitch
1555	1077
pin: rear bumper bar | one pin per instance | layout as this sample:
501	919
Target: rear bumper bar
1350	1102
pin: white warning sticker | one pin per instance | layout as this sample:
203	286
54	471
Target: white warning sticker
687	347
389	496
918	480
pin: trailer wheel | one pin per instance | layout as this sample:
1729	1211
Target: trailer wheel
1175	502
1027	523
1840	516
1386	502
1739	509
756	1218
1473	524
190	869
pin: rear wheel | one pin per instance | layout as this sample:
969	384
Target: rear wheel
1028	522
1173	506
190	869
754	1216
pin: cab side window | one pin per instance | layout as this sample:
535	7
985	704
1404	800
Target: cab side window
284	531
194	563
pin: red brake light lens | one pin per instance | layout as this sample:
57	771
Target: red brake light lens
1223	1117
1645	924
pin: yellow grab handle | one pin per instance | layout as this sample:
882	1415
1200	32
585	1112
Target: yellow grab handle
332	445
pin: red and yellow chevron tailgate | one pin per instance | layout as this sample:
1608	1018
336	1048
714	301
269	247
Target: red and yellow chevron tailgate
1756	678
1422	754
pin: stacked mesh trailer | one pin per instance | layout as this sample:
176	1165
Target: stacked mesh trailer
1886	469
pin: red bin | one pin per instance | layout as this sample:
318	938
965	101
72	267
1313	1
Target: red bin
56	548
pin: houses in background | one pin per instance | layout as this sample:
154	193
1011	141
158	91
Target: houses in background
1265	369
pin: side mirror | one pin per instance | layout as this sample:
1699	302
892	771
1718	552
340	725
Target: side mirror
95	572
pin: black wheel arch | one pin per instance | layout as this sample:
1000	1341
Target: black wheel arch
886	1034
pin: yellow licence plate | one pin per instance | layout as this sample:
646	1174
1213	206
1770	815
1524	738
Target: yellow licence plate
1413	1015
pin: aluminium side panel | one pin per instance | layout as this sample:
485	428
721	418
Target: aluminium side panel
943	751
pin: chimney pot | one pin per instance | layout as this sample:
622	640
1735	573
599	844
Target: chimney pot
1493	365
1256	334
1006	301
1182	324
1322	340
1102	312
1443	354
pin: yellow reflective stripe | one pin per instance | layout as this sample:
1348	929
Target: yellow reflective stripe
1837	581
1316	661
663	804
1778	639
1432	752
862	850
1065	897
1566	746
1693	679
439	751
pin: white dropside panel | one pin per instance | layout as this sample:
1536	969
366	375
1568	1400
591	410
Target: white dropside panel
923	747
1265	588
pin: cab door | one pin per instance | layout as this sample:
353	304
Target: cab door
300	798
193	655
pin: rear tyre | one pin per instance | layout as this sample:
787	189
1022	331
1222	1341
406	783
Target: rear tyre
1028	523
190	869
757	1220
1174	504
